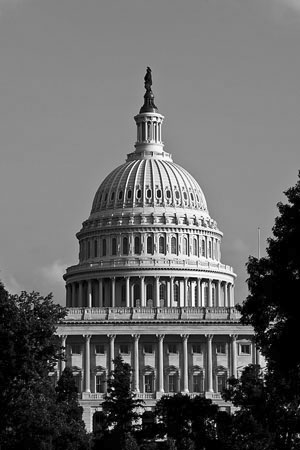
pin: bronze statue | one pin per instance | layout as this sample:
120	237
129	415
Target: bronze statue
148	79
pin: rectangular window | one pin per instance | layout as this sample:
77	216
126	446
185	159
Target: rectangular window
99	349
124	349
245	349
77	379
221	348
197	348
100	383
172	383
148	348
149	383
75	349
197	383
172	348
221	382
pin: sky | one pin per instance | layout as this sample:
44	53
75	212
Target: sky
225	75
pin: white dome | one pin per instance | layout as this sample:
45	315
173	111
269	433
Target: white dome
146	183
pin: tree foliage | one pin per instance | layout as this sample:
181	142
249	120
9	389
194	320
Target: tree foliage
30	415
120	407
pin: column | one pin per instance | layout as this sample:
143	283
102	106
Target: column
90	295
186	300
63	361
258	357
185	363
80	294
100	288
225	295
209	293
234	355
168	293
127	292
112	338
171	291
136	363
231	295
209	363
87	369
142	288
161	363
157	291
218	292
192	291
253	349
113	292
199	299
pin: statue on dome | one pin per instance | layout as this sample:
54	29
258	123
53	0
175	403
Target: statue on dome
148	79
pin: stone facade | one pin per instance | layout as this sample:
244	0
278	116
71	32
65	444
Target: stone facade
150	284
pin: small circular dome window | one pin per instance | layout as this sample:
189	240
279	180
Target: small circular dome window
168	193
129	194
177	195
120	195
139	193
149	193
158	193
105	198
192	197
185	196
112	196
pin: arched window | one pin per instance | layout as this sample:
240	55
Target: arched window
136	294
103	247
137	245
196	295
161	245
150	245
149	291
162	292
95	248
195	247
203	247
176	293
185	246
213	294
123	294
206	295
114	246
125	246
88	249
173	246
209	249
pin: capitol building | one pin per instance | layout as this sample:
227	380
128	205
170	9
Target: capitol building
150	284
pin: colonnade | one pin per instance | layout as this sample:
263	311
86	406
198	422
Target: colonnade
150	291
159	339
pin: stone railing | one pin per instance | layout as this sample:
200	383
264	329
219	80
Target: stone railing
152	395
150	313
164	263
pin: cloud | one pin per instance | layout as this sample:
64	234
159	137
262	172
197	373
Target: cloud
11	284
281	6
239	246
53	273
294	4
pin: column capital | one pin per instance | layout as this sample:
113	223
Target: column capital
112	337
233	337
160	337
136	336
87	337
184	336
209	336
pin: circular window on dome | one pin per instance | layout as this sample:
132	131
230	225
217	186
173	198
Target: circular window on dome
177	195
197	197
106	195
192	196
185	196
158	193
149	193
120	195
168	193
139	193
112	197
129	194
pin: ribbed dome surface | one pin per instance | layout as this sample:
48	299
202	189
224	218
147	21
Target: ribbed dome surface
149	182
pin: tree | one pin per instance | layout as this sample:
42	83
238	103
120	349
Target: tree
30	416
70	432
273	310
120	405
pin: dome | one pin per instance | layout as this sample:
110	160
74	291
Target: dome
149	182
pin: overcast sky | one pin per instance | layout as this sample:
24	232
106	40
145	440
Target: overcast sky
226	76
